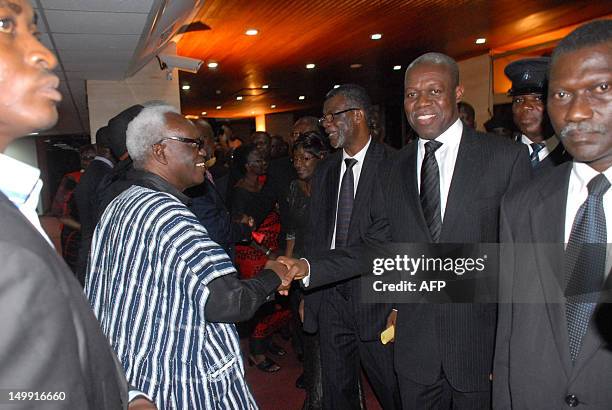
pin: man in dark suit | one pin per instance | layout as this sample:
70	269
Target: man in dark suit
50	340
550	353
444	187
348	329
529	78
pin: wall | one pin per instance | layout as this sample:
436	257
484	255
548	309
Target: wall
24	150
108	98
476	76
280	124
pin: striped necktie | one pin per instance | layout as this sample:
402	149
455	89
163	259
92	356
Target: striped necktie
345	204
535	149
430	190
585	261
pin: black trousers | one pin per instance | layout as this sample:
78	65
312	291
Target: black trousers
441	396
343	354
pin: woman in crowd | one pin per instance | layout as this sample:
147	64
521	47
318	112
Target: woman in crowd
246	199
308	150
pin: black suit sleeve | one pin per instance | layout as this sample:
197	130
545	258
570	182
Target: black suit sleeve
339	264
234	300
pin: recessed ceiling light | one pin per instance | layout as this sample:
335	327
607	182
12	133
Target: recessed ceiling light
251	32
273	106
337	86
203	112
213	64
301	97
356	65
481	40
191	117
218	92
218	107
397	67
310	66
265	86
376	36
186	87
252	112
239	98
35	133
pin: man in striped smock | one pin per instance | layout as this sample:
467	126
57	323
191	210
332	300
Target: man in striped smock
164	293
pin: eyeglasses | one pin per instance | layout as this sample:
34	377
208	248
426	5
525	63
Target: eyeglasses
330	117
302	159
258	162
195	143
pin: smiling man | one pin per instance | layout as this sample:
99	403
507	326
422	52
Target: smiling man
50	341
165	294
551	351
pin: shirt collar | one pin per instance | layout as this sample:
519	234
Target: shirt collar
551	143
585	173
360	156
18	180
449	138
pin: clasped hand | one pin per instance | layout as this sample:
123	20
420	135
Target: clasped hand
288	270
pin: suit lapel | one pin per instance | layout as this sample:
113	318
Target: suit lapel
467	170
410	189
332	183
547	221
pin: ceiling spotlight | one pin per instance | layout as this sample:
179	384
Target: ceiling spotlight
191	117
310	66
273	106
239	98
213	64
265	86
301	97
186	87
481	40
337	86
203	112
251	32
376	36
218	107
356	65
218	92
397	67
252	112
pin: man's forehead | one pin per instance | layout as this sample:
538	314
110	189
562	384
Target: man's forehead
15	7
577	63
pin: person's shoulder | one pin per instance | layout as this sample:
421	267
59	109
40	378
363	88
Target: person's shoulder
527	194
494	142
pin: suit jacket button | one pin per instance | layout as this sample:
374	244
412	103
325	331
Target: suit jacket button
572	400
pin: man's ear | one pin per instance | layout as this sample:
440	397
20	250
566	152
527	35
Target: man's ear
159	153
359	116
459	93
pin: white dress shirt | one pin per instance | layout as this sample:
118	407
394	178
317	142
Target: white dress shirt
549	146
21	184
576	195
446	156
360	157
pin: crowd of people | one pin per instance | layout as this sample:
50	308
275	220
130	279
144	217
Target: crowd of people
184	232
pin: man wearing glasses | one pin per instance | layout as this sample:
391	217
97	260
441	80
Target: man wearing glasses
166	294
348	329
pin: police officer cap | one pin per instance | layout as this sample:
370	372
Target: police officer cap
528	76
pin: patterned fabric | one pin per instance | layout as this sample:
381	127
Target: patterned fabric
147	280
534	157
345	203
430	190
585	262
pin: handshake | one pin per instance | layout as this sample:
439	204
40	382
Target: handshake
288	270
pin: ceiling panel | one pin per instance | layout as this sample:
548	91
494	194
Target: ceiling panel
95	41
133	6
95	22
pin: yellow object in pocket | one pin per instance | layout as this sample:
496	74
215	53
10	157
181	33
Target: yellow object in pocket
387	335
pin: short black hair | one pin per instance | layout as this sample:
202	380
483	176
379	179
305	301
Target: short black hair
438	59
311	142
240	157
589	34
356	96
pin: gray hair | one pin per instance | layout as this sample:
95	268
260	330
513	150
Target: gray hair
355	96
147	128
439	59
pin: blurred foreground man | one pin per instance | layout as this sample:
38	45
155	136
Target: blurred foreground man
551	350
157	282
50	340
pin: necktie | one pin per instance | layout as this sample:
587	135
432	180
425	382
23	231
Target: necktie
430	190
585	260
345	204
535	149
